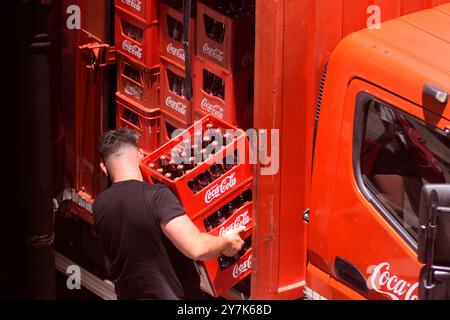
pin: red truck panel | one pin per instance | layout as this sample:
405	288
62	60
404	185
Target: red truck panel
293	43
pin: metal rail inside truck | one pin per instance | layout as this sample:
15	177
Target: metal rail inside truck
346	90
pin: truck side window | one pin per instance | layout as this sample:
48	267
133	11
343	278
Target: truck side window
399	155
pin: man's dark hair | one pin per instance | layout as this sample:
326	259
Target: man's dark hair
113	140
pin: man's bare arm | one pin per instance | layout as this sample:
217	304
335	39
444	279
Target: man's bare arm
201	246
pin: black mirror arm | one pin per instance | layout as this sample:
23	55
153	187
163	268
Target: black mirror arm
434	242
432	272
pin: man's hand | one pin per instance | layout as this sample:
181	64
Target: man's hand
234	241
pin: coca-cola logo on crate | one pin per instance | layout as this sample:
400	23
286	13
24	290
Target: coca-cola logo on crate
132	48
176	105
214	53
214	109
240	268
135	4
241	220
134	91
177	52
383	281
217	190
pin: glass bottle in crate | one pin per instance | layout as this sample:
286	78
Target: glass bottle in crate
230	209
203	180
216	171
208	224
163	162
224	262
220	217
194	186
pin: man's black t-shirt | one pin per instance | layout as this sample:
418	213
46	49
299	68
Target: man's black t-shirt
127	219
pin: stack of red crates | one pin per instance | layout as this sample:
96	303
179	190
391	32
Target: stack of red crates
215	191
151	98
224	65
137	97
176	109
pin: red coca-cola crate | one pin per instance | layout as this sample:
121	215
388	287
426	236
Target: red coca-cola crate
136	40
234	177
216	281
173	101
241	214
227	42
233	103
244	119
138	84
145	11
144	121
168	126
171	33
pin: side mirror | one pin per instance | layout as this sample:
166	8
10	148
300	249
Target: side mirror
434	242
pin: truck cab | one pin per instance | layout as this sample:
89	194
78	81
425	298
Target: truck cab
383	132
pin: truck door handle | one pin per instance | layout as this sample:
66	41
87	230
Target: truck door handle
350	275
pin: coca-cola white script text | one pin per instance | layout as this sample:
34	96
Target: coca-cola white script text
214	109
243	267
135	4
132	48
219	189
241	220
176	105
214	53
177	52
384	282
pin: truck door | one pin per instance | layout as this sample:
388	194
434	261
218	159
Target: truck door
387	150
